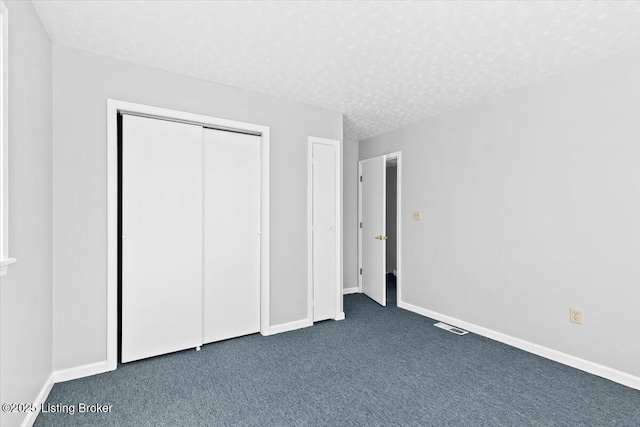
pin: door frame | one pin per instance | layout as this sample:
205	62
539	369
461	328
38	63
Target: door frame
114	107
397	155
339	314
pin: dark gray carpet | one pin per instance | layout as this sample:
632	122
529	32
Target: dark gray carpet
380	366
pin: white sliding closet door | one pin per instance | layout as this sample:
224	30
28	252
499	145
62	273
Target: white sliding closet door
231	235
162	237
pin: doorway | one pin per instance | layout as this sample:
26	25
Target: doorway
379	237
391	226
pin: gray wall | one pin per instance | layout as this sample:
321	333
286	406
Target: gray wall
25	292
392	180
350	214
531	205
82	83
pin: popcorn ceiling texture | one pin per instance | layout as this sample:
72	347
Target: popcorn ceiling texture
383	64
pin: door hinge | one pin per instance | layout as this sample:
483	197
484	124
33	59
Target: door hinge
360	224
360	178
360	271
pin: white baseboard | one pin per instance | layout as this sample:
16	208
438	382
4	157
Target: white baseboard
58	377
340	316
548	353
82	371
347	291
41	398
291	326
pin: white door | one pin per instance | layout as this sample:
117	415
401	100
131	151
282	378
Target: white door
324	225
162	237
231	235
373	237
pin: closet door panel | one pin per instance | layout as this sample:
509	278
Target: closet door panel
162	204
231	235
324	231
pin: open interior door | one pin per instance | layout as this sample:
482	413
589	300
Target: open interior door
372	233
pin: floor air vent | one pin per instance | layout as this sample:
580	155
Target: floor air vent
450	328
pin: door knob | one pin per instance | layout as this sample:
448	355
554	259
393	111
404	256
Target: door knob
381	237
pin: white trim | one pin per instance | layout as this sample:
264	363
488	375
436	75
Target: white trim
41	398
309	230
112	237
548	353
265	229
5	260
340	316
290	326
383	267
359	266
347	291
58	377
81	371
397	272
338	194
115	106
341	224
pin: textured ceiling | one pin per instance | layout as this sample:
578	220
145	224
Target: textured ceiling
383	64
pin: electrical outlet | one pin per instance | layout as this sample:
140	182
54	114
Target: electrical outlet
575	316
417	215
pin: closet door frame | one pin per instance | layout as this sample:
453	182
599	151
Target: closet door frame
115	107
